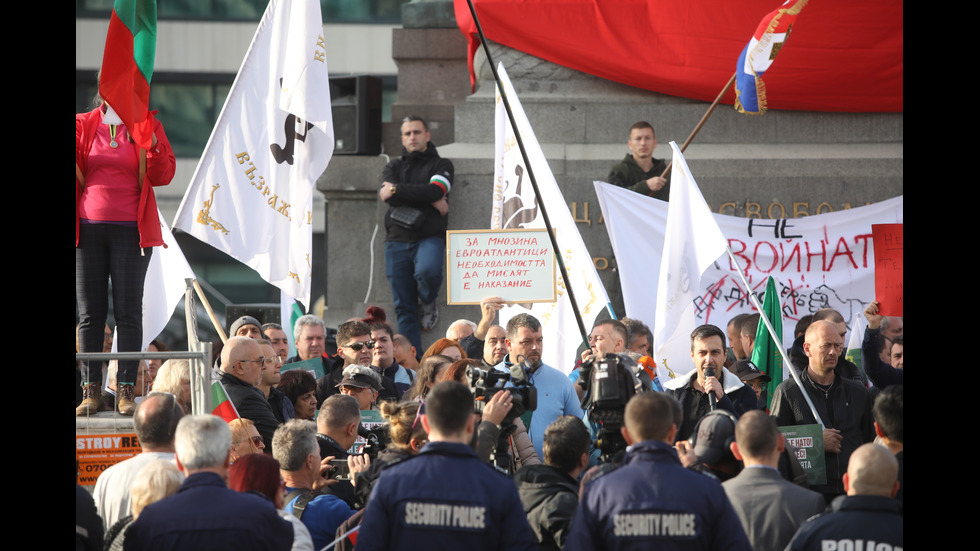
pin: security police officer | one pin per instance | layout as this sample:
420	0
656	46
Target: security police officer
652	499
445	497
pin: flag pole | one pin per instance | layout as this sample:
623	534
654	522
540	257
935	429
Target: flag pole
704	119
775	337
530	173
207	307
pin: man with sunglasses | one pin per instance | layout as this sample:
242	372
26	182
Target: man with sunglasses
354	347
241	373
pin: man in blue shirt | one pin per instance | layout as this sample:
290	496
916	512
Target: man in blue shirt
556	397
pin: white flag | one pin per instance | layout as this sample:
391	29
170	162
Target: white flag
818	261
252	193
514	206
692	243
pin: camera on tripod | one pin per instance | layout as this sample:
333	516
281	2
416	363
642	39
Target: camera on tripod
609	383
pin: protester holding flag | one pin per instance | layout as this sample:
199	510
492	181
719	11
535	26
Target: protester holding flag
116	226
120	155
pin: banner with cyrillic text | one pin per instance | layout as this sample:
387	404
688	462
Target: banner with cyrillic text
820	261
516	265
807	444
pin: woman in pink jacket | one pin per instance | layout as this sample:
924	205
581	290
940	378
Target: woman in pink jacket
116	226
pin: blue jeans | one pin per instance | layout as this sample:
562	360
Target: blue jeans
414	272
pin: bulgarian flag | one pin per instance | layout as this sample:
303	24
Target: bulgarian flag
223	406
127	65
758	55
765	353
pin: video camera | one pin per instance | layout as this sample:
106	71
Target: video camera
485	383
377	440
609	383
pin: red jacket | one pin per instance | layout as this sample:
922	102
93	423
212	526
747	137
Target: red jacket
160	167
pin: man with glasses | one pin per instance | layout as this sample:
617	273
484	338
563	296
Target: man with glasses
363	384
843	404
354	347
242	362
282	407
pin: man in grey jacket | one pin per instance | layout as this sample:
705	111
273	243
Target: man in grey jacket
770	507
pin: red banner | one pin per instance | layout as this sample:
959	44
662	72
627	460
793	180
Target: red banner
889	244
844	55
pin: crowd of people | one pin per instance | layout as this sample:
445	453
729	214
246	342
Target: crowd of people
702	465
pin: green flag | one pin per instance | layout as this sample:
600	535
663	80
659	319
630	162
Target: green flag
765	353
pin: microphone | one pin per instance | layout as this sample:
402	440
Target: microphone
709	371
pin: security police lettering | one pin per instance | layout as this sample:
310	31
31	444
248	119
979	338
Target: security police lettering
445	516
857	545
672	525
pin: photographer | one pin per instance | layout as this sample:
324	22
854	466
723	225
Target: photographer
304	474
608	379
493	417
337	427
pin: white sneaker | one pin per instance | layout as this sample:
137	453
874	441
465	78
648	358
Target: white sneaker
429	316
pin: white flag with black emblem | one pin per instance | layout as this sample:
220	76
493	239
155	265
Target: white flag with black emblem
252	193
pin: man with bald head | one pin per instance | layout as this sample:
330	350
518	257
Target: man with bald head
868	517
844	405
845	367
155	423
241	373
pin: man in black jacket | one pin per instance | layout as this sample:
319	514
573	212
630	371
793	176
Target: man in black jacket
549	492
867	516
844	405
416	188
241	372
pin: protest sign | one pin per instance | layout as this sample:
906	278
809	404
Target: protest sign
889	268
807	441
516	265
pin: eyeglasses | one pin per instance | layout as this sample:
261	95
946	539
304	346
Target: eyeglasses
261	360
256	441
418	413
357	346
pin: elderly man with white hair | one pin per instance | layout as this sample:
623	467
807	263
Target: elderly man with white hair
205	513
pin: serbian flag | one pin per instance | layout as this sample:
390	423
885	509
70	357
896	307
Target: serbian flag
127	65
222	404
758	55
